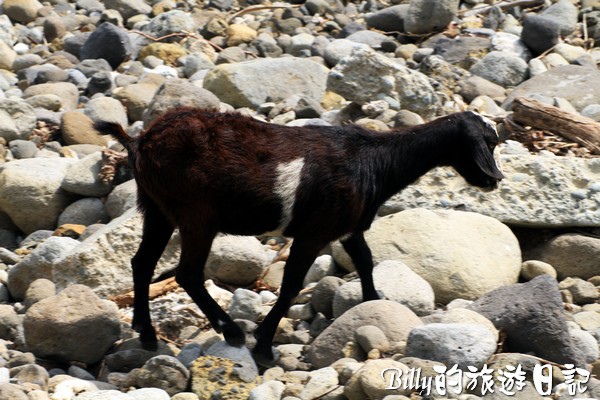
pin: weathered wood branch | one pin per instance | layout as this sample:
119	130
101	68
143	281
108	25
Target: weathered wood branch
574	127
156	289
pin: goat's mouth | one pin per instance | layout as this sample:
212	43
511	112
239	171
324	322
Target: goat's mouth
490	185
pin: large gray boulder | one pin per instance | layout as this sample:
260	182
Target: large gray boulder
106	109
252	83
122	198
83	177
164	372
74	325
396	282
533	318
166	23
67	91
460	254
17	120
388	19
365	75
424	16
394	319
452	344
103	260
565	13
538	191
31	192
502	68
109	42
571	255
578	84
178	92
38	264
128	8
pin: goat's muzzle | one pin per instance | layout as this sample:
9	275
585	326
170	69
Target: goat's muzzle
490	184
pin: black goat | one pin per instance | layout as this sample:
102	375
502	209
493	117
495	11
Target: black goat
207	172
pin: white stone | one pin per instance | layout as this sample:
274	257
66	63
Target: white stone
236	260
320	383
149	394
68	388
271	390
321	267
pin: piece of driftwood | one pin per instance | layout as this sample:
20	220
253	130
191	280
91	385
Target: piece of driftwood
156	289
574	127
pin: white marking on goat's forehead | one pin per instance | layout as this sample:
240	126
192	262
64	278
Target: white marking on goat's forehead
487	121
286	188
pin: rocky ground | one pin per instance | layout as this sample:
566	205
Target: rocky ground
503	279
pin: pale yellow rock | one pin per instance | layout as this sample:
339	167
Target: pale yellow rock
78	128
7	56
238	34
532	268
136	98
461	254
168	52
332	101
23	11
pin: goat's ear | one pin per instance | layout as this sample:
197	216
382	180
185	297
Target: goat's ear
485	160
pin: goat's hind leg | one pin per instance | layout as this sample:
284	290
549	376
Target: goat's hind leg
195	248
361	256
156	234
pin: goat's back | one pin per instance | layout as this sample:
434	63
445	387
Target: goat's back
236	170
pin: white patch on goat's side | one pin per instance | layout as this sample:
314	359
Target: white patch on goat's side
286	188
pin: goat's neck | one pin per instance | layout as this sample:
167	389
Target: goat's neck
412	154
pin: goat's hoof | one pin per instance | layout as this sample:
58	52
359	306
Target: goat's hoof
265	358
376	295
148	339
234	336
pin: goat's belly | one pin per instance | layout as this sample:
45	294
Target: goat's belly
254	220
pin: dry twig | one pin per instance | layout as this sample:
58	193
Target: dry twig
504	5
260	7
183	34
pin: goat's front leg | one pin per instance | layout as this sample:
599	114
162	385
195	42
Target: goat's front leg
302	255
359	252
195	248
156	234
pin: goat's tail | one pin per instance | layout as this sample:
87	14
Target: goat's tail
114	129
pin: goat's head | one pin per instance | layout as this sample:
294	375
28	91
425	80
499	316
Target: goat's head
475	158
